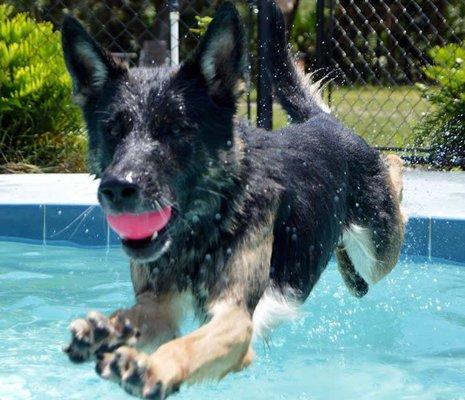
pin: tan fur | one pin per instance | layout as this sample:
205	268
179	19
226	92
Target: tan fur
220	346
153	320
224	344
212	351
217	348
359	254
247	360
140	275
391	250
388	252
155	317
256	251
395	166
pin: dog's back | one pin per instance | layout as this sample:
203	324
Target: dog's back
340	193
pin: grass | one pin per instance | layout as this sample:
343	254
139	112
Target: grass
384	116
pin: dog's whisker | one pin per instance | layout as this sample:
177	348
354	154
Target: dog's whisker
80	223
82	216
214	192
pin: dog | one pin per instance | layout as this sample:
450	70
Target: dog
236	222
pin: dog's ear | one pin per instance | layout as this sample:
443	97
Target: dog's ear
221	56
89	65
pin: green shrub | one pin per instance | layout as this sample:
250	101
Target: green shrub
444	128
38	122
202	25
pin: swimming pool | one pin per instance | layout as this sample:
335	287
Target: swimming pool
404	340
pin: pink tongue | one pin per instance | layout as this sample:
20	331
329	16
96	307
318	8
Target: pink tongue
139	226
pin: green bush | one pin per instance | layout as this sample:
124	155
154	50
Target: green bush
202	25
38	122
444	128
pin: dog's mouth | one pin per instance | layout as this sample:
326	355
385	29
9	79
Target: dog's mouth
140	233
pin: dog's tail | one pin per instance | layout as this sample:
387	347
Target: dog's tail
298	97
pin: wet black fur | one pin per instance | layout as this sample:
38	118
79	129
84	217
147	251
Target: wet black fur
175	131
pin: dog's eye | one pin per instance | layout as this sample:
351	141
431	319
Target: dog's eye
115	130
118	126
183	129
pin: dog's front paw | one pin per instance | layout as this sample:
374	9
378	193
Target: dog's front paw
97	334
148	377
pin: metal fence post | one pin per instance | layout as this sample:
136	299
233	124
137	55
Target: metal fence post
264	90
174	32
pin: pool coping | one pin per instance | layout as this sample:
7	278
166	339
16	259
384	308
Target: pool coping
62	209
425	192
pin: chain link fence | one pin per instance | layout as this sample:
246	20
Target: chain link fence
374	54
138	31
40	128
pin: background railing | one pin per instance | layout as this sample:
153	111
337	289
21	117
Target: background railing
133	29
374	56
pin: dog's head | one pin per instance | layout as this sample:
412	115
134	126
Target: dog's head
158	137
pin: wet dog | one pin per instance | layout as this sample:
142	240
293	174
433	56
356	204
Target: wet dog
231	220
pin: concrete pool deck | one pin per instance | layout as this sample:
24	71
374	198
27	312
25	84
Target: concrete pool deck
426	194
63	209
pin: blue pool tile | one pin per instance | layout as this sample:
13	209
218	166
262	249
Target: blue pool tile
22	221
448	239
81	225
417	237
114	239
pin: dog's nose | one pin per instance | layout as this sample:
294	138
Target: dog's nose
118	193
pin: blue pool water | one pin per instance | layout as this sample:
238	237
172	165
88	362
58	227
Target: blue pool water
404	340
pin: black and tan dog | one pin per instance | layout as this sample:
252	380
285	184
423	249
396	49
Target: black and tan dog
234	221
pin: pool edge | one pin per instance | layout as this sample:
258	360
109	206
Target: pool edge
86	226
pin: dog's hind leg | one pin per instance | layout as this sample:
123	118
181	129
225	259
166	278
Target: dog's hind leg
395	168
373	245
354	282
152	320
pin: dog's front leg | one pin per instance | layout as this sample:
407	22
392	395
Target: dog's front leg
218	347
153	319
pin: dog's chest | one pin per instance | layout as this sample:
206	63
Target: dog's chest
184	274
